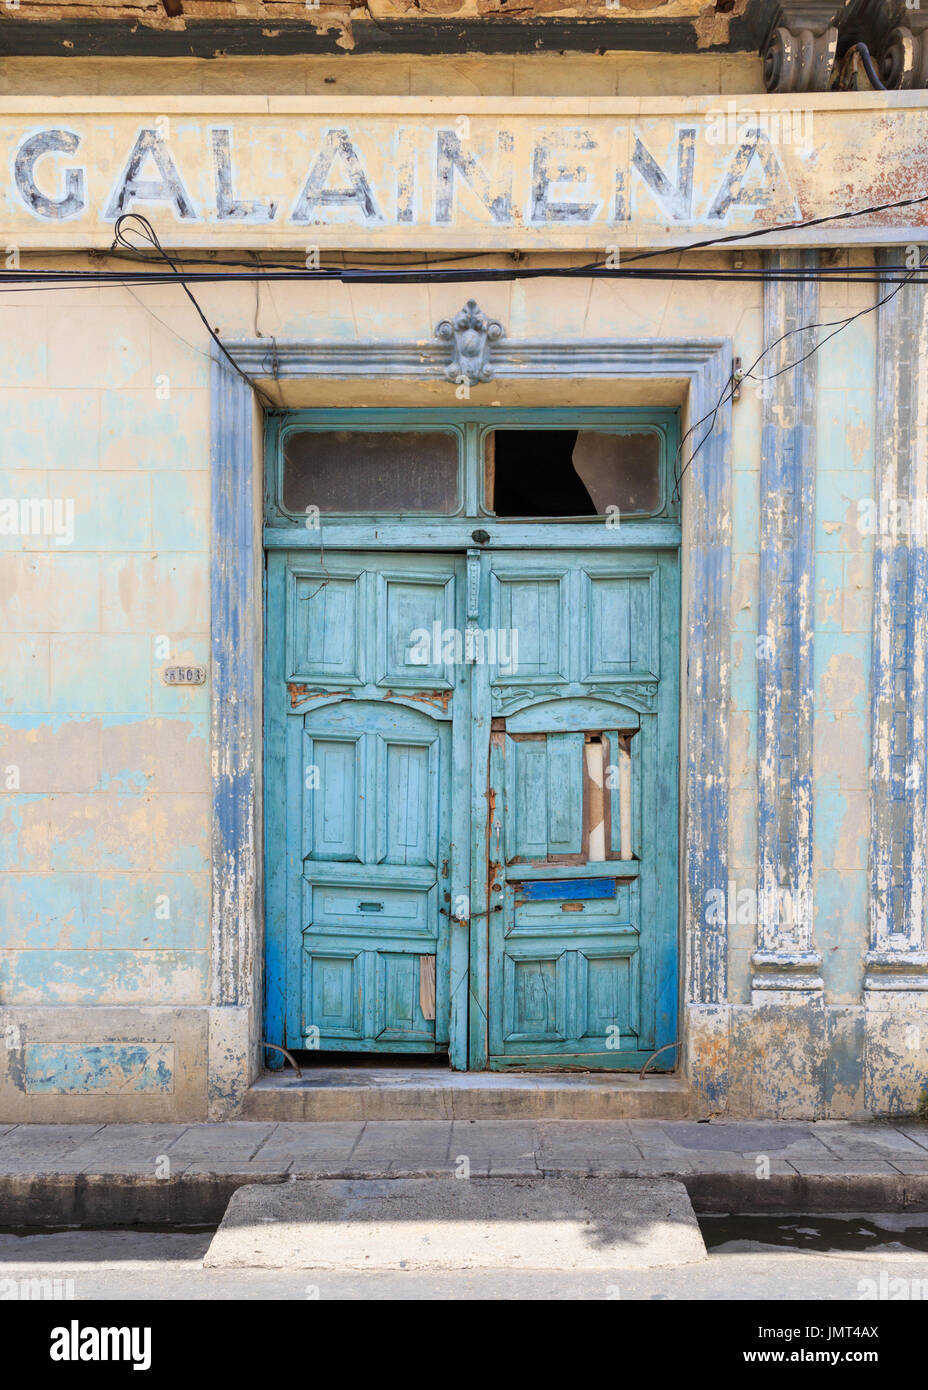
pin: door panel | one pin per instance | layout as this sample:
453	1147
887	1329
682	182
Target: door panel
371	873
520	915
581	894
361	732
414	612
544	811
323	627
622	626
534	605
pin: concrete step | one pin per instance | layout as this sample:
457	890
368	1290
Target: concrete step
448	1224
407	1093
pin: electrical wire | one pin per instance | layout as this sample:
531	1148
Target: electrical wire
873	76
23	282
433	273
148	231
731	385
269	268
130	223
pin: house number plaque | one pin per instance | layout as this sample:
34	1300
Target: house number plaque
184	675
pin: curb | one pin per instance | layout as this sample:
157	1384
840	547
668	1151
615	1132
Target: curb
104	1200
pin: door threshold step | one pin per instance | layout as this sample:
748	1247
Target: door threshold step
442	1224
406	1093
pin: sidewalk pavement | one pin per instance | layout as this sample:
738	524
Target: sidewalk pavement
105	1174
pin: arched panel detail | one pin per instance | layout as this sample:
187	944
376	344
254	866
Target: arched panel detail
569	712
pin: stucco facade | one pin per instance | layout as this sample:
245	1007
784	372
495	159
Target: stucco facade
131	823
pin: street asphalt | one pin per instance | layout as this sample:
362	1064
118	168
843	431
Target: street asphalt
139	1265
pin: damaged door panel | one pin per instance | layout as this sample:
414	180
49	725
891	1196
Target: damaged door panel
582	775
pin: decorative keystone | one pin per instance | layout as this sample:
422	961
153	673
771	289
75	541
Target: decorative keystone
470	333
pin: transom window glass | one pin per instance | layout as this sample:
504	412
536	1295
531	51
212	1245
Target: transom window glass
506	465
570	473
385	471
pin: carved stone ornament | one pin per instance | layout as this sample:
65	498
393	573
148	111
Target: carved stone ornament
818	45
470	333
800	53
904	58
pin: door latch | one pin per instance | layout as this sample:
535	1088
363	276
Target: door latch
472	917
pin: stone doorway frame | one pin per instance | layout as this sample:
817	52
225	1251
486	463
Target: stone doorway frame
700	371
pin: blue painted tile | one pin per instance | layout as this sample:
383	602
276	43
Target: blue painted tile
25	831
120	1069
139	431
50	429
101	674
180	517
829	591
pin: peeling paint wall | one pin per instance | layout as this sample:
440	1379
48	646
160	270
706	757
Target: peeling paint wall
104	770
115	1000
827	1042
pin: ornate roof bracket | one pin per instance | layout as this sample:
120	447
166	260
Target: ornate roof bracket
903	54
802	46
817	45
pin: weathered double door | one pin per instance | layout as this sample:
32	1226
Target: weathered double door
471	809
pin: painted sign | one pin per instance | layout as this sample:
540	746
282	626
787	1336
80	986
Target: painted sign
412	174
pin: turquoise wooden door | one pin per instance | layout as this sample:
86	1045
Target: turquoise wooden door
364	710
473	844
579	950
471	754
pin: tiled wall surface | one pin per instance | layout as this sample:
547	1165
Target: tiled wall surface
104	771
104	811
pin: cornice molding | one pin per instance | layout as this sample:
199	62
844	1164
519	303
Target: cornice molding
269	359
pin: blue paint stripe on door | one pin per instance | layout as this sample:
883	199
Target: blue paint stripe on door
535	891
